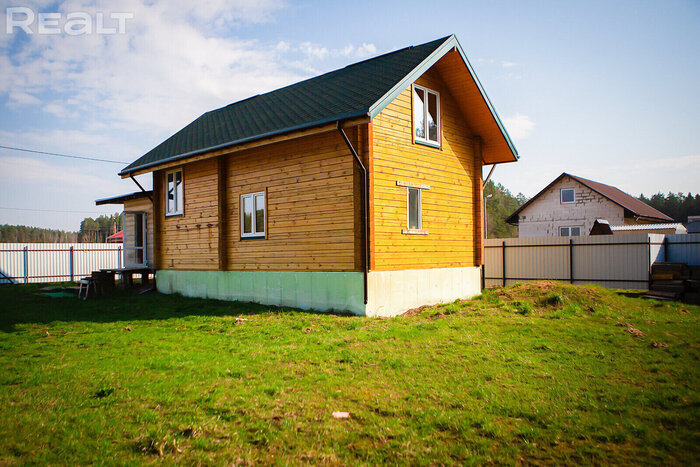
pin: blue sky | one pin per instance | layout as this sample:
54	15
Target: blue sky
605	90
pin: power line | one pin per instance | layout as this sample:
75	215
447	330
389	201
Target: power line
62	155
52	210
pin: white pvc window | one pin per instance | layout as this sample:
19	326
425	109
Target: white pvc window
567	195
174	188
572	231
426	115
253	215
414	215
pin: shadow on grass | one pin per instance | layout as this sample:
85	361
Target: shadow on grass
25	304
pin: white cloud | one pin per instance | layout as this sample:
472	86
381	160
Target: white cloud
19	98
313	51
519	126
362	51
124	94
507	64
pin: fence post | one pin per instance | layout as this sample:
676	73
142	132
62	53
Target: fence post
666	249
571	261
119	256
504	263
26	264
648	262
72	267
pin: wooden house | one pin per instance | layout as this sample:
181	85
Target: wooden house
570	205
358	190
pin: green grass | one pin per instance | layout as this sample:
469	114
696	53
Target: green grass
539	373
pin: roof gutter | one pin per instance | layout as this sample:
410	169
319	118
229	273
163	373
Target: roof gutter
365	204
128	170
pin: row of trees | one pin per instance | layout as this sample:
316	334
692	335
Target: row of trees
91	231
500	204
97	230
24	234
675	205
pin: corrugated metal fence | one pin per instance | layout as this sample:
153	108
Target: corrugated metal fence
616	261
55	262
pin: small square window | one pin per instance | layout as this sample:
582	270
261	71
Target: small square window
174	193
253	215
567	195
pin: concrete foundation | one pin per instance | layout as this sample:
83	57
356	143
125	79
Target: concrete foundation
390	292
393	292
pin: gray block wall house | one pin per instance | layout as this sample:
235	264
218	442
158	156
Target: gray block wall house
570	205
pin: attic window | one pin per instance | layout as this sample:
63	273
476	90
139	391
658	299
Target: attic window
426	115
567	195
173	193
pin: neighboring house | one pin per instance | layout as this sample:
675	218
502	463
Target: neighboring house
137	231
117	237
357	190
570	205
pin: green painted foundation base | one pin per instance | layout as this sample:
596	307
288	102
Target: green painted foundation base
322	291
390	292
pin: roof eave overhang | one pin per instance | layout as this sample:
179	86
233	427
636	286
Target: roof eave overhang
128	170
449	44
120	199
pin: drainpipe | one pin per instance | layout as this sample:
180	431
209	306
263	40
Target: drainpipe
139	185
365	197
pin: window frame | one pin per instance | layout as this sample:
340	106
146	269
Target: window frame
179	208
426	140
255	233
419	208
561	196
413	186
569	227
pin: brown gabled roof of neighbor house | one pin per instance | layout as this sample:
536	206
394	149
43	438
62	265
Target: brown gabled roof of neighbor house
629	203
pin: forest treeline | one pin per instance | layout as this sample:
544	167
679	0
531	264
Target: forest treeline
24	234
500	204
91	231
97	230
675	205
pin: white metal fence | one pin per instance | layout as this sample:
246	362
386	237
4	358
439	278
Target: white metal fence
616	261
55	262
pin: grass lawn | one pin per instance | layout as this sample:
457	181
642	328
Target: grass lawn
538	373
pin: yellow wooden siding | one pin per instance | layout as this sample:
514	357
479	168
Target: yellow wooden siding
190	241
311	209
310	206
449	208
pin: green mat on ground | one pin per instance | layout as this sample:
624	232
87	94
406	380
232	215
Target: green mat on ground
58	294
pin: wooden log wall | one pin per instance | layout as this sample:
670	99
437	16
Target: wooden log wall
312	209
449	208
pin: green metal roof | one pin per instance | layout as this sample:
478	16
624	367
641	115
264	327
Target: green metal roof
360	89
